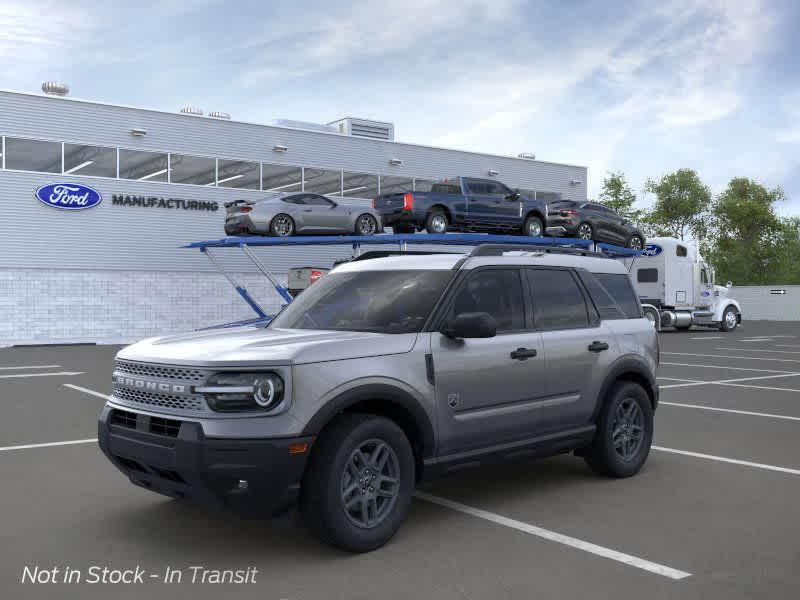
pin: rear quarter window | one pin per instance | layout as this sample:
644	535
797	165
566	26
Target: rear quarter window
613	295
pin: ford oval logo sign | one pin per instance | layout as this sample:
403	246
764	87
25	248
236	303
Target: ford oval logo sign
68	196
652	250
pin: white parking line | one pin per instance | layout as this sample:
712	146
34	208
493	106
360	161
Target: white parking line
30	367
761	387
87	391
733	461
792	360
674	364
707	337
786	345
48	445
727	381
553	536
761	350
676	379
730	410
63	373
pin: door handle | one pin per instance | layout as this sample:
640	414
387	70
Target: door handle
308	210
523	353
597	346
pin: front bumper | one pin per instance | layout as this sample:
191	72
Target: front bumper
174	458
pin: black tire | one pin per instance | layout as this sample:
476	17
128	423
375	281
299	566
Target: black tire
276	225
603	456
366	224
322	503
403	228
434	220
533	227
729	323
683	328
582	230
635	242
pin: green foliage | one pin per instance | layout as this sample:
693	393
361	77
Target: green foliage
681	207
618	195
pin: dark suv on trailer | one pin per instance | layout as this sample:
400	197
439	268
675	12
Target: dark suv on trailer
592	221
385	372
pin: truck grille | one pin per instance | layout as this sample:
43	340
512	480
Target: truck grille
152	399
160	372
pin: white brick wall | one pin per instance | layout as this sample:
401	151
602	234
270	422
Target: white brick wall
50	306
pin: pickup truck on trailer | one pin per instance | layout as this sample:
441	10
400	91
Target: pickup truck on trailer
465	204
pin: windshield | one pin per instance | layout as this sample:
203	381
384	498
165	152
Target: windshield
378	301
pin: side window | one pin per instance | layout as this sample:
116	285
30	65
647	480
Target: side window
618	285
494	291
558	301
476	187
647	275
607	306
703	276
680	251
318	200
295	199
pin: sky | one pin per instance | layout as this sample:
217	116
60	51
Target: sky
640	87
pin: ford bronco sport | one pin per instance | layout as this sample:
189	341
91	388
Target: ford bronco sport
387	372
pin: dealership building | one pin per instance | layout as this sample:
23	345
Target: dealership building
114	271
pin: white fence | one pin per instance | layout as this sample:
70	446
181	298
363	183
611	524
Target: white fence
768	302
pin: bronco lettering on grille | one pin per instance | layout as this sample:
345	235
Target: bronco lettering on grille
153	386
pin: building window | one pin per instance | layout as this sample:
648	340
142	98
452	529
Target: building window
396	185
144	166
195	170
238	174
33	155
280	178
360	185
323	181
90	160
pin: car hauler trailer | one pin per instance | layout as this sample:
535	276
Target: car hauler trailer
677	289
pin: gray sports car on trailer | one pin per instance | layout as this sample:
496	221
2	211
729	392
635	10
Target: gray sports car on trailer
287	214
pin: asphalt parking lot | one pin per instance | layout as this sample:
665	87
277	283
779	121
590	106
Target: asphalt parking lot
714	514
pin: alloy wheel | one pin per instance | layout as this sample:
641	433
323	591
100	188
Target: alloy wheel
370	483
628	429
439	224
282	226
730	319
366	225
534	228
635	243
585	231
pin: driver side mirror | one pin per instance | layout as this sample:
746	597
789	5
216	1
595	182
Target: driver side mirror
471	325
514	195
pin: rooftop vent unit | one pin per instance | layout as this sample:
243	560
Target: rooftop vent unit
527	155
219	115
375	130
303	125
192	110
54	88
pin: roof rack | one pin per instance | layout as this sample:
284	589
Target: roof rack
500	249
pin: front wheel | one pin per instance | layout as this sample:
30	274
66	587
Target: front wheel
366	224
533	227
624	432
359	484
729	319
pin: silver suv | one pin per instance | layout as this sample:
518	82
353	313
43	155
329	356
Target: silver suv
384	373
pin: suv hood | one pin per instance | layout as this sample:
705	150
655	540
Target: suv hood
251	346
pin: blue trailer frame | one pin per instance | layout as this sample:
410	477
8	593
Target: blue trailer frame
356	241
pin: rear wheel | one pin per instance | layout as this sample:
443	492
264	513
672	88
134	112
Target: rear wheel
729	319
360	483
585	231
281	225
624	432
533	227
366	224
436	221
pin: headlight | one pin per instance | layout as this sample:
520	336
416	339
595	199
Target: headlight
237	392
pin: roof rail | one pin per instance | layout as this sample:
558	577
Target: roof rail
499	249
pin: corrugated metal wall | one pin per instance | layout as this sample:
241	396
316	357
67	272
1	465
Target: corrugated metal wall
119	237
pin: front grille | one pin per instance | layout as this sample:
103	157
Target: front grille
164	426
160	372
123	418
170	401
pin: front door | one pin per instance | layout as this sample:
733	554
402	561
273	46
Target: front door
488	390
489	205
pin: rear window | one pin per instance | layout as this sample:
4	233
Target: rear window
613	295
446	188
647	275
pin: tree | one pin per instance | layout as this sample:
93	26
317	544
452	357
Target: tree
750	244
681	207
618	195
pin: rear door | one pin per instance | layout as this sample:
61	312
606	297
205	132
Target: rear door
489	390
578	347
